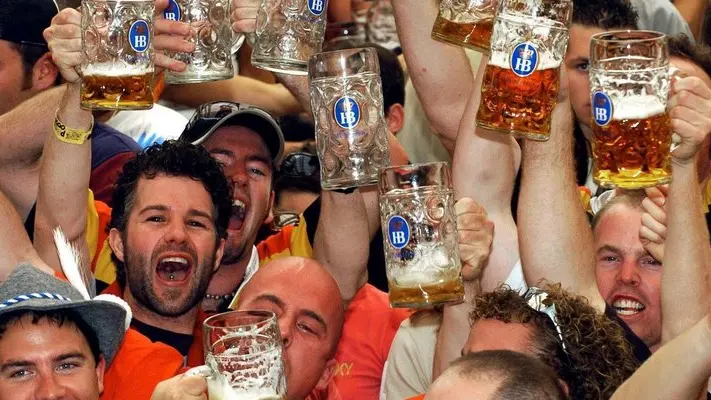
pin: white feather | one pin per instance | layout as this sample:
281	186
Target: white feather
71	263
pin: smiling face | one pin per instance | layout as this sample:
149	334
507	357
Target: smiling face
170	247
628	277
42	360
246	162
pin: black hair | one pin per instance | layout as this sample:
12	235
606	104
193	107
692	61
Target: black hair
176	159
58	317
30	54
391	73
605	14
682	47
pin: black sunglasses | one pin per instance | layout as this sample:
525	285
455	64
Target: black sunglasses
300	165
207	115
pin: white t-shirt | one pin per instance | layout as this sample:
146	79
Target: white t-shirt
147	127
661	16
408	371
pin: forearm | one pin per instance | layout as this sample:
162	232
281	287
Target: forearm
454	331
24	128
298	86
274	98
440	72
678	370
64	181
554	233
694	12
685	272
15	245
342	240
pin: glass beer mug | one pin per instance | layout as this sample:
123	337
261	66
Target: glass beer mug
420	235
117	69
351	131
629	85
521	81
288	33
243	356
465	23
214	39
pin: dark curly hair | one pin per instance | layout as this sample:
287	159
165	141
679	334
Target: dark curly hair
172	158
598	357
605	14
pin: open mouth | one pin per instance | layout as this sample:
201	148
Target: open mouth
627	307
174	269
239	210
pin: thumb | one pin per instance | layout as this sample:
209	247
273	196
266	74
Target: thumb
193	385
161	5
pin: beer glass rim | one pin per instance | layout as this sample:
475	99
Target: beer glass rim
269	316
342	54
643	36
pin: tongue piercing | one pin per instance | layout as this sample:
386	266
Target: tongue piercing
172	277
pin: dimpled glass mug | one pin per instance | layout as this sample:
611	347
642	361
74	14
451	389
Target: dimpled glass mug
243	356
351	131
214	40
420	235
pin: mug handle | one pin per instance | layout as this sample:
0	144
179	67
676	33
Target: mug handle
203	370
237	41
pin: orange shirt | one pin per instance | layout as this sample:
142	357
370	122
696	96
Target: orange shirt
369	330
420	397
138	367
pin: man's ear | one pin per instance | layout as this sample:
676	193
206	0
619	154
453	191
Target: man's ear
218	255
100	369
116	244
44	73
395	118
270	213
327	375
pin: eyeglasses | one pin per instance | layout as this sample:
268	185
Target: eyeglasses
536	298
300	165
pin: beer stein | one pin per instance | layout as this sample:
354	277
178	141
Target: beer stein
288	33
117	67
214	39
520	87
347	103
380	25
420	235
629	85
243	356
465	23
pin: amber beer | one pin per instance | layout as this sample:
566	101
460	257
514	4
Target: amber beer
519	105
631	151
105	90
474	35
443	292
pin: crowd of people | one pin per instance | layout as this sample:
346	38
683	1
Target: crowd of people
211	201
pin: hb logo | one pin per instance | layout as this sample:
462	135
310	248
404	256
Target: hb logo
172	13
346	112
602	108
398	232
139	36
524	59
317	6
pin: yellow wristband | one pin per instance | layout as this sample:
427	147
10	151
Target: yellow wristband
69	135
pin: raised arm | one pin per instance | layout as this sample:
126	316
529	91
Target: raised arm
678	370
485	166
440	72
556	241
685	272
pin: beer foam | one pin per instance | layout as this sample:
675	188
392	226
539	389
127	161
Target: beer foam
545	60
637	107
115	70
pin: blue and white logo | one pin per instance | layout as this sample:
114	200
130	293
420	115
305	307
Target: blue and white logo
139	36
398	232
317	6
346	112
172	12
601	108
524	59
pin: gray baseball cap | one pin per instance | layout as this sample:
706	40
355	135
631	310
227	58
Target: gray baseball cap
29	289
